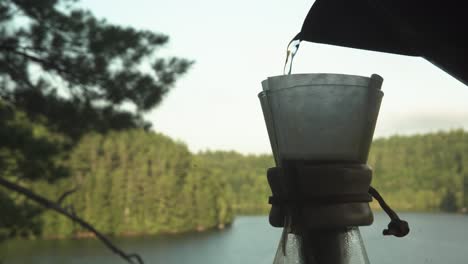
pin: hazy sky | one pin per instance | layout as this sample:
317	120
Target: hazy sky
236	44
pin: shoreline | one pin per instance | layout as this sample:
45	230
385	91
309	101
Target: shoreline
90	235
201	229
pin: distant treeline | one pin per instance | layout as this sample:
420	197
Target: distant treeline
137	182
414	173
422	172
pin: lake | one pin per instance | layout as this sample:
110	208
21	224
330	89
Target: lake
434	238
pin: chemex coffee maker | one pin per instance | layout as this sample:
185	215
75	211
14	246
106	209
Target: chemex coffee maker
320	128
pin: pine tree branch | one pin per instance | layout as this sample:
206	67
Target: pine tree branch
66	194
56	207
47	64
34	58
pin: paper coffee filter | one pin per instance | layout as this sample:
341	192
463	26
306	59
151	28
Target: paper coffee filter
321	116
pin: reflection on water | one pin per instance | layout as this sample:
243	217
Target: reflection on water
434	238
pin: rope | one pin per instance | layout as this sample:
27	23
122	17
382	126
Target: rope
396	227
319	200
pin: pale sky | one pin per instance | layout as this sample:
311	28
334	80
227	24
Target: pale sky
236	44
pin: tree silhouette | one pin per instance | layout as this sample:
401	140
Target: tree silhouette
63	73
61	62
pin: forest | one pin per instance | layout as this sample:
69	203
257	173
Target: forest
132	182
139	182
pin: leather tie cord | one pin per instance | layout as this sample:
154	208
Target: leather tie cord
396	227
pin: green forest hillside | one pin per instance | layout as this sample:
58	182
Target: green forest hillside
131	183
137	182
422	172
414	173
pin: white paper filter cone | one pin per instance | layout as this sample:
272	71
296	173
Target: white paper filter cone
321	117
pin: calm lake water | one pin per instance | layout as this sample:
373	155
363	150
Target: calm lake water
434	238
